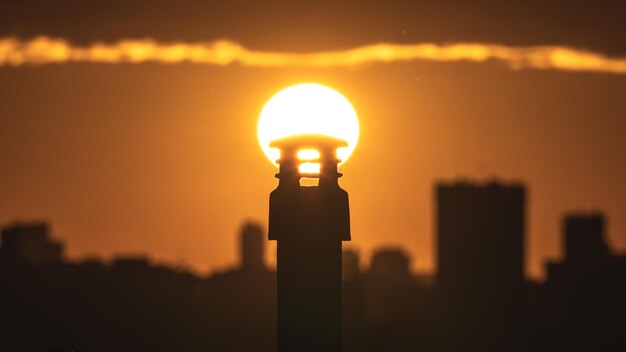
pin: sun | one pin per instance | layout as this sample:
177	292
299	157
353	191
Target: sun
305	109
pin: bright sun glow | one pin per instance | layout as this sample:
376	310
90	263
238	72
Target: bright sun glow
308	109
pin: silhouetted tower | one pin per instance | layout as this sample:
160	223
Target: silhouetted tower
252	244
309	224
481	260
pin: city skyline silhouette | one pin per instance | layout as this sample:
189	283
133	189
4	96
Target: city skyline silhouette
72	305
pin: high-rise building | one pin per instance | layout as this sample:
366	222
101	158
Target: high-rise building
480	236
30	243
252	246
481	263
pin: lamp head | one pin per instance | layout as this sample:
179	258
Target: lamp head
326	148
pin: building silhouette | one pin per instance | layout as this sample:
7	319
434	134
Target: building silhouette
353	300
480	261
390	264
389	291
30	243
584	293
241	300
584	239
350	265
252	247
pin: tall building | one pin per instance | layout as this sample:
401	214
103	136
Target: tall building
252	246
480	257
30	243
480	236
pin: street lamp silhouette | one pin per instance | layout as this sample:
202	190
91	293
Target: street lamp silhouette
309	224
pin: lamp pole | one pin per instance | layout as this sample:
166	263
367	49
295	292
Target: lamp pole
309	224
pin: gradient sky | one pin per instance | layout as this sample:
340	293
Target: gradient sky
164	159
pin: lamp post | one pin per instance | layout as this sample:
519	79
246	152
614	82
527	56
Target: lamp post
309	224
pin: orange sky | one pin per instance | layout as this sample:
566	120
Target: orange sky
164	159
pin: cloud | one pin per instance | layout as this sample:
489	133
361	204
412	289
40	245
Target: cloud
45	50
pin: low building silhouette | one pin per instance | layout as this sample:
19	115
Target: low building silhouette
353	306
391	264
350	265
389	290
583	305
30	243
584	239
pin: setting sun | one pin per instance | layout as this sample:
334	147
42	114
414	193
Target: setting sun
306	109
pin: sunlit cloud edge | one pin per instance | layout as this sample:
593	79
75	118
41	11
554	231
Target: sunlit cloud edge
46	50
